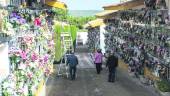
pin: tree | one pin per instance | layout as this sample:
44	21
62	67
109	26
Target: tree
62	15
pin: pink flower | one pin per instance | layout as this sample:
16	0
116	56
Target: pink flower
17	53
51	44
34	57
30	75
37	22
41	63
47	71
23	55
40	60
27	64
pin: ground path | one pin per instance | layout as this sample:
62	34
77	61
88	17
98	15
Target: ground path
88	83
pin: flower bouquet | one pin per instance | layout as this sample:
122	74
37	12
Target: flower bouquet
5	31
8	86
17	19
14	56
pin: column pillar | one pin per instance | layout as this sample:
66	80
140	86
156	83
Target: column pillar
102	38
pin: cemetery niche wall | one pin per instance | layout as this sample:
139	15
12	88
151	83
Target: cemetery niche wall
140	37
93	38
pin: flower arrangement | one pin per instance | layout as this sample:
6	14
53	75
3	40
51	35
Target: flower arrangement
34	57
23	54
47	71
30	66
6	30
17	19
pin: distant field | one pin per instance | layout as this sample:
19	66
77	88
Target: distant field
83	12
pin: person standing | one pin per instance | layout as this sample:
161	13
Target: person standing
72	61
112	63
98	60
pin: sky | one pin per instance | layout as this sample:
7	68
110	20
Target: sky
88	4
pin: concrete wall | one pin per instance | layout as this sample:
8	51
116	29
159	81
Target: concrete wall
102	38
4	61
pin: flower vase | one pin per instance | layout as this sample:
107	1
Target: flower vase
29	90
15	24
14	62
17	63
11	63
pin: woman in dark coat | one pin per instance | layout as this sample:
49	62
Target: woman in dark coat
112	64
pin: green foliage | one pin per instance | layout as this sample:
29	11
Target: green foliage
57	28
66	28
75	23
163	86
79	21
57	38
73	30
62	15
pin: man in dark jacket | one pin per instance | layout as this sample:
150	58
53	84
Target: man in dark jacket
72	61
112	63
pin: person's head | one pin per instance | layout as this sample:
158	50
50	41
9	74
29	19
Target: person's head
99	50
112	52
71	52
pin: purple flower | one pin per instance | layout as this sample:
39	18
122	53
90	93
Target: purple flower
13	14
13	20
45	58
18	17
22	21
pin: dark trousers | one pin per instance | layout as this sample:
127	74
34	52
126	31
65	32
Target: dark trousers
111	76
73	72
98	67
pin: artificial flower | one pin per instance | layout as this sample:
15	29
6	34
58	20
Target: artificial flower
22	21
23	54
34	56
13	14
37	22
46	58
47	71
30	75
51	43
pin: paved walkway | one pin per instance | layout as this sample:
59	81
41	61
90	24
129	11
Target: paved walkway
85	60
88	83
